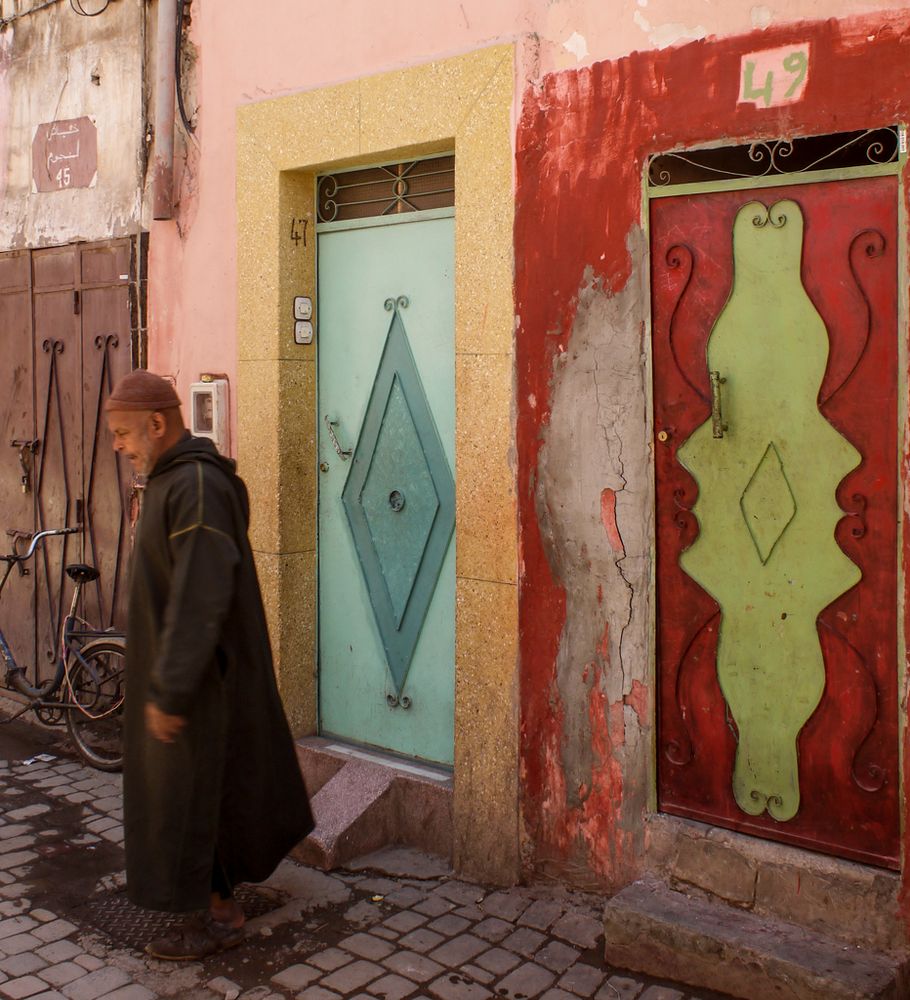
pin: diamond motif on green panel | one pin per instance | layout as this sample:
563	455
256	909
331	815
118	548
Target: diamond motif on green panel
399	499
767	503
400	536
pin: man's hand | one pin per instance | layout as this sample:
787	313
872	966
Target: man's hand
162	726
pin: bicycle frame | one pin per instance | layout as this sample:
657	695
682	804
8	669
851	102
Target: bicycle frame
72	640
86	692
14	672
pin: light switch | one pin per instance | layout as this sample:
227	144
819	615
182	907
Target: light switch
303	307
303	332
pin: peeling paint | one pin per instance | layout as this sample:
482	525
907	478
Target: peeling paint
588	441
603	647
576	44
52	68
639	701
761	16
608	518
663	35
586	508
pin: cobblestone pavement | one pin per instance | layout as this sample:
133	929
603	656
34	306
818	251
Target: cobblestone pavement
67	932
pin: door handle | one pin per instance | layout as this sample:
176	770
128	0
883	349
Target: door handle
343	454
717	419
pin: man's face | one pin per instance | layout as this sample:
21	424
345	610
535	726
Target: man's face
136	435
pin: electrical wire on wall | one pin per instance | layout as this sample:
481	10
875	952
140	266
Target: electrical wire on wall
178	70
79	9
182	5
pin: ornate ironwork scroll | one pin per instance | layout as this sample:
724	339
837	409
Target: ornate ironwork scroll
107	592
685	520
867	773
777	156
868	245
680	258
679	748
858	525
391	190
54	420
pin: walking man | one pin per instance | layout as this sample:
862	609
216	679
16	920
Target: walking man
213	794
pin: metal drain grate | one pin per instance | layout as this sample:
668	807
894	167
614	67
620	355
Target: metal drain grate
129	926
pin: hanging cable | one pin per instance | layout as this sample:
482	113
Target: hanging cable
4	21
79	9
178	70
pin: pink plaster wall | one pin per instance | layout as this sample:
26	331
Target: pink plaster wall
250	53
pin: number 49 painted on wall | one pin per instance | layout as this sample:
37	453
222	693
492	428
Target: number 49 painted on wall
774	77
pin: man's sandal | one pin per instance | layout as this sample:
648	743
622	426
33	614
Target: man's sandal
195	940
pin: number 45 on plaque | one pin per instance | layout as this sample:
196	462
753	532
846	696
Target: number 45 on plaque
774	77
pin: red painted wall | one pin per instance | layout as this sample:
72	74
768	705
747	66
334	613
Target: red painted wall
582	145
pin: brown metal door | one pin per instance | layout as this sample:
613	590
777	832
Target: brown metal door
58	486
67	318
17	420
106	320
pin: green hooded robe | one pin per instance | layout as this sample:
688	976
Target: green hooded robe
229	787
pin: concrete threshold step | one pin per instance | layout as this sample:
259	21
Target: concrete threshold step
650	928
364	802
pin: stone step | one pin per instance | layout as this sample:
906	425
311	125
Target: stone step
655	930
352	816
366	801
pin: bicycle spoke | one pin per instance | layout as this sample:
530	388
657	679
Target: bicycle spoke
96	685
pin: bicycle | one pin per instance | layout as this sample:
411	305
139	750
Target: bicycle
88	684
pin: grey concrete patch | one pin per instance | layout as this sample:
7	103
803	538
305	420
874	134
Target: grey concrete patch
596	444
402	862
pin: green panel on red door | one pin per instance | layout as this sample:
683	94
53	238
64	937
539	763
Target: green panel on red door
744	510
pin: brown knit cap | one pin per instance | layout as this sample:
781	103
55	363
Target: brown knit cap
142	390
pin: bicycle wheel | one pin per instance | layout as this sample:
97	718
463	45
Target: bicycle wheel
96	684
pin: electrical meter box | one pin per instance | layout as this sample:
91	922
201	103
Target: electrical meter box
209	412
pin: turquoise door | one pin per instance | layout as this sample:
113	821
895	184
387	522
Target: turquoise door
386	491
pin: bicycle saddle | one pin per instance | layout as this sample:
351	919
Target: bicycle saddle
80	573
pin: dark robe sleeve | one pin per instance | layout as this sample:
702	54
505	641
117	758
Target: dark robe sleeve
203	557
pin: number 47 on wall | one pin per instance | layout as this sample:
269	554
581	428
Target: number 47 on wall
775	76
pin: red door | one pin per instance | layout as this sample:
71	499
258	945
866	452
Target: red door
844	781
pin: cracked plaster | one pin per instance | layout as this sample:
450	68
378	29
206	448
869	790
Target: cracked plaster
54	68
594	504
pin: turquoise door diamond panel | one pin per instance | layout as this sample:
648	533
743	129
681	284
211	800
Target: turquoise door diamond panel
387	497
399	499
395	499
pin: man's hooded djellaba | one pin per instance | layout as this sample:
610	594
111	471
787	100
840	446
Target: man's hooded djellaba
228	790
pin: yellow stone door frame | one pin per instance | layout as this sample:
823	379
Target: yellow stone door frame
462	104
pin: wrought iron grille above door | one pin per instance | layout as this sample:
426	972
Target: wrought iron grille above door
394	189
762	159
